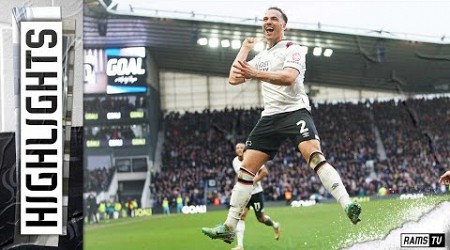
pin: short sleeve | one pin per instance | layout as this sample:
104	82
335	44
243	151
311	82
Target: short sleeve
295	58
236	165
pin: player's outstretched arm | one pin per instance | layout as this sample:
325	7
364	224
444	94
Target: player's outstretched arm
263	172
445	178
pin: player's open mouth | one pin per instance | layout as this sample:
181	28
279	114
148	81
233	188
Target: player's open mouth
269	30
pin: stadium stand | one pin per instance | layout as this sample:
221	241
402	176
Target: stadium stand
98	180
199	147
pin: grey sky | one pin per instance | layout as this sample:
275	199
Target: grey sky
428	18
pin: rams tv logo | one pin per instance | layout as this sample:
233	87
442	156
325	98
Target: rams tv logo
41	127
422	240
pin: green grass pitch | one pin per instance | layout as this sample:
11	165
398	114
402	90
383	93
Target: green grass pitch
323	226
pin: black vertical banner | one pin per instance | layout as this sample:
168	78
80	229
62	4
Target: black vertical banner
8	188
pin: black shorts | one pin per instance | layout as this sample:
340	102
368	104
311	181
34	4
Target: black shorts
271	131
257	202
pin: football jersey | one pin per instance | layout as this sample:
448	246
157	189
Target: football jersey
277	98
236	166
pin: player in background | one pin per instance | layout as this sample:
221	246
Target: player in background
256	201
280	69
445	178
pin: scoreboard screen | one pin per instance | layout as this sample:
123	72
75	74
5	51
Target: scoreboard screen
115	108
116	135
115	70
114	121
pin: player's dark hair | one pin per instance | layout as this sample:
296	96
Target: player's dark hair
279	10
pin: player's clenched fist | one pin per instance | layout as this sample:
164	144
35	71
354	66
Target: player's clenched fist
445	178
249	42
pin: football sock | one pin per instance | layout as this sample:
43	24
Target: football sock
333	184
239	197
268	221
240	228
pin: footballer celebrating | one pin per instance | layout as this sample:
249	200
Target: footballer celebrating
280	69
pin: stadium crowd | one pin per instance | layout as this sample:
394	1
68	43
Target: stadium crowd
98	179
199	147
114	104
417	143
110	132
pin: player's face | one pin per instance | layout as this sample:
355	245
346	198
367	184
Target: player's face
273	26
240	149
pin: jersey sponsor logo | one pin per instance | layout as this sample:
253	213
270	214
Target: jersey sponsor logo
296	57
263	66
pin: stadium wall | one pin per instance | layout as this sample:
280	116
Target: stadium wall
297	204
194	92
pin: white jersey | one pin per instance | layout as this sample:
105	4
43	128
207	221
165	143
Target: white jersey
237	165
280	99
